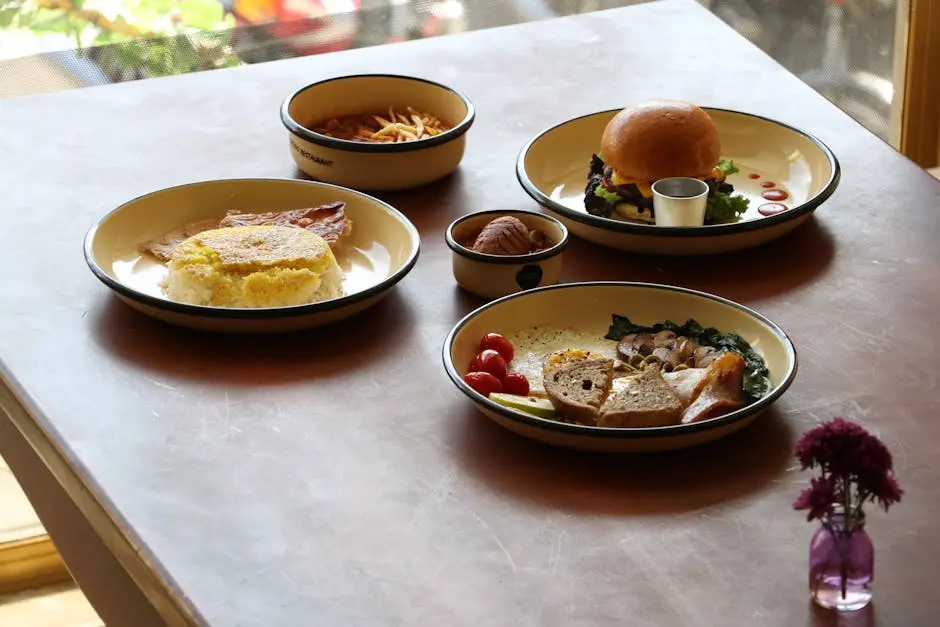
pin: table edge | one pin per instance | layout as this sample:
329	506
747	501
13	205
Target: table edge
155	587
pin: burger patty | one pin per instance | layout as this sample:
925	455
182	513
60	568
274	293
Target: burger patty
600	176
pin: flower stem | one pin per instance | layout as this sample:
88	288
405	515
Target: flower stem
846	531
844	575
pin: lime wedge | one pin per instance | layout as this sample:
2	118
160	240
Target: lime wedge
541	407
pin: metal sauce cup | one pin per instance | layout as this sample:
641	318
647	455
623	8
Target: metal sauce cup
680	201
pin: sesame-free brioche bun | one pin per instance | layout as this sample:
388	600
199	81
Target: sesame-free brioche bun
657	139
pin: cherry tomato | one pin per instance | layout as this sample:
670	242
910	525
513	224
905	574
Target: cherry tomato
493	363
483	382
516	383
496	342
475	365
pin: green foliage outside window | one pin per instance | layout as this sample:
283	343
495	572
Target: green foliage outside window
152	37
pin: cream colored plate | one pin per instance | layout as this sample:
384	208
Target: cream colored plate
589	307
381	249
553	169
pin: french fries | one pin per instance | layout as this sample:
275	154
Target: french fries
391	127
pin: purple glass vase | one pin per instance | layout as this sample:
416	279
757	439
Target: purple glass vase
841	564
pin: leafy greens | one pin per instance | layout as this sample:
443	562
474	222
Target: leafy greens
756	383
727	166
606	195
722	208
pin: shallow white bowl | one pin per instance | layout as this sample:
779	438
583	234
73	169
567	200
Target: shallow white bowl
382	248
589	306
553	169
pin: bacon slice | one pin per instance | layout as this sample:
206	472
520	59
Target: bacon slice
327	221
163	247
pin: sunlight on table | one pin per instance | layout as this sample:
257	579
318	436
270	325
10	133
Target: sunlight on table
62	606
17	518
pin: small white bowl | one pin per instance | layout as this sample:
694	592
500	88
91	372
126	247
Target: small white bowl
494	276
367	166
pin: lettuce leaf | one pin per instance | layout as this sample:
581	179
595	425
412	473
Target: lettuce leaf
610	197
723	208
727	166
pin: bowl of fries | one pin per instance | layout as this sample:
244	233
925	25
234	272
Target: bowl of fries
377	131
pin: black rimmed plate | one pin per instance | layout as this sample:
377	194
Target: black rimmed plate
774	160
588	307
381	249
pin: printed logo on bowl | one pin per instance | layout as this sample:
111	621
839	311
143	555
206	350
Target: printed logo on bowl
529	277
327	163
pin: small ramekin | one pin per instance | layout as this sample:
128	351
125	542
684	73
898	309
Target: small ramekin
495	276
366	166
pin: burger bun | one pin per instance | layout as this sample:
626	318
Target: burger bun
657	139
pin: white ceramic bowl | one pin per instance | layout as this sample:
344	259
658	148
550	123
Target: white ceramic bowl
381	249
589	306
553	169
493	276
376	166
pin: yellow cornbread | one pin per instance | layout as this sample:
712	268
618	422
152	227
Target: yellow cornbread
253	266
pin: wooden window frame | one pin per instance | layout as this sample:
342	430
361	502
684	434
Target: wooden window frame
30	563
920	66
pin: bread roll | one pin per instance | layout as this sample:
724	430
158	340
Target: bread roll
660	139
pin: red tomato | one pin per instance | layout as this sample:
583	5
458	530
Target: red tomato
496	342
493	363
475	365
515	383
483	382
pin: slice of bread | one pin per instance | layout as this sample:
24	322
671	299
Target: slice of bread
578	390
645	400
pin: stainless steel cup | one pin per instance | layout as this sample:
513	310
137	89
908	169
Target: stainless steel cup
680	201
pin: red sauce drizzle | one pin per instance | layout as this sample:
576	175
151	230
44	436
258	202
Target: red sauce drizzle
753	175
775	194
771	208
768	184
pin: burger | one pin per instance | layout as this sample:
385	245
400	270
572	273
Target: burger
654	140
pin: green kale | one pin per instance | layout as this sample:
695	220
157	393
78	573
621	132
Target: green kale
723	208
756	383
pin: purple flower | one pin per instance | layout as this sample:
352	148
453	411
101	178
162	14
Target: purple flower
887	492
818	498
837	447
855	466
